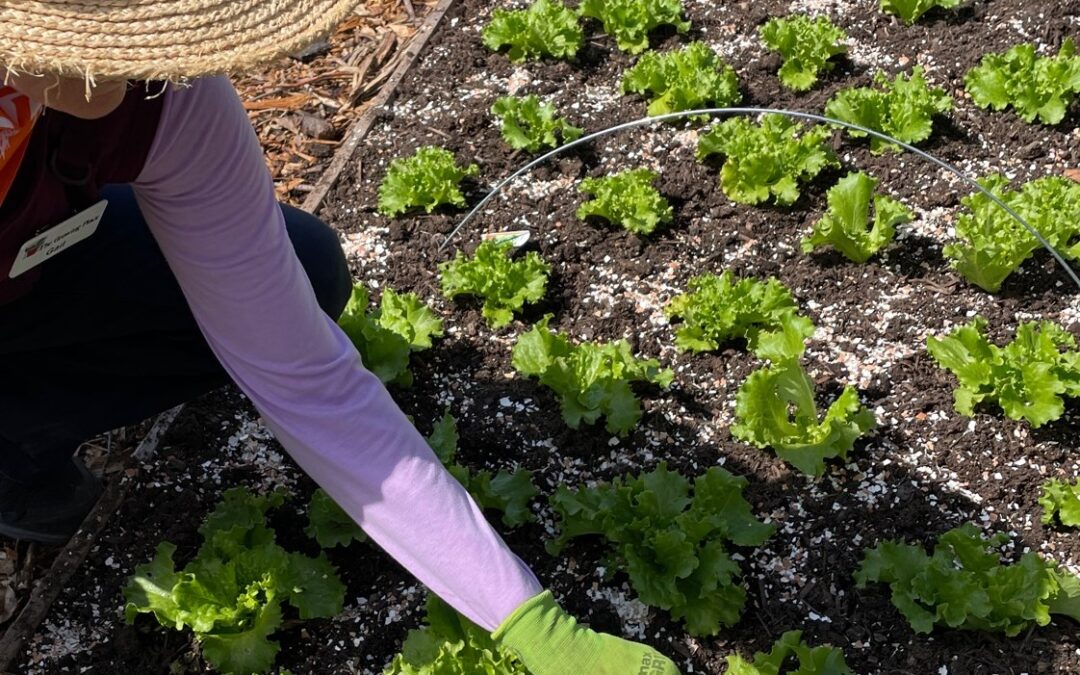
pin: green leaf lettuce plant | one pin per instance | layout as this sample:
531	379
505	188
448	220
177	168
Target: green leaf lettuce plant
964	584
450	644
1027	377
769	160
807	46
788	651
545	28
911	10
387	336
529	124
672	545
775	408
504	284
991	244
428	179
591	380
231	592
1061	499
628	199
508	492
1039	88
844	225
631	21
686	79
717	309
903	108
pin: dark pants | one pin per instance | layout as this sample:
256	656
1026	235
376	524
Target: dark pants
105	339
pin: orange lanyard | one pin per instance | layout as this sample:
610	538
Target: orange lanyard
17	117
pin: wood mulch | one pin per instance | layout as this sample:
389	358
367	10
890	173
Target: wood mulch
301	108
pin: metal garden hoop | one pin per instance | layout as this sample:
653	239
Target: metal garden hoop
759	111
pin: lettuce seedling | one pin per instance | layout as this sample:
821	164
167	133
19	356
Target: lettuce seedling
546	28
450	644
1037	87
428	179
686	79
529	124
631	21
767	160
504	284
963	584
230	594
591	380
1027	377
387	336
807	45
775	408
718	309
903	108
1061	499
910	10
993	244
844	224
627	198
672	546
787	651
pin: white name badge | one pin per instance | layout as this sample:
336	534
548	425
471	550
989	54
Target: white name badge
45	245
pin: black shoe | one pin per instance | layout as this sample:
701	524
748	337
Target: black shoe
48	509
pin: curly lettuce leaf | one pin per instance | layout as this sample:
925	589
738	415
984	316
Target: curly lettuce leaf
631	21
388	335
671	545
427	179
545	28
687	79
504	284
529	124
775	408
1037	87
903	108
768	160
230	594
1027	378
591	380
807	46
964	584
992	244
824	660
720	308
910	10
844	224
1061	499
450	644
627	198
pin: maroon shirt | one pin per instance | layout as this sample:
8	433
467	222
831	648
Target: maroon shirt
67	161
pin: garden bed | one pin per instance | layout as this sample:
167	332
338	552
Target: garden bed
924	469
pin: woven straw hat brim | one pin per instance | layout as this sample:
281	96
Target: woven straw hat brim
158	39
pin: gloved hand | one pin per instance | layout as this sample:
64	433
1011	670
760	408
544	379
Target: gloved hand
550	642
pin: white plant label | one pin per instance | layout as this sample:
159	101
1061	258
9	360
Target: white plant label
517	238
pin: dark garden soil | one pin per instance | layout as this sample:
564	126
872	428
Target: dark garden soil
925	468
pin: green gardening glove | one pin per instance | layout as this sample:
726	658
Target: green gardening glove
548	641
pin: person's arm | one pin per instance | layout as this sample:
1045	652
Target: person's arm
208	198
209	201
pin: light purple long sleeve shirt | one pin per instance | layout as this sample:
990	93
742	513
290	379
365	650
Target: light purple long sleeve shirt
209	200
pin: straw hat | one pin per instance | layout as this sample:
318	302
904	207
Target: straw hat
157	39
